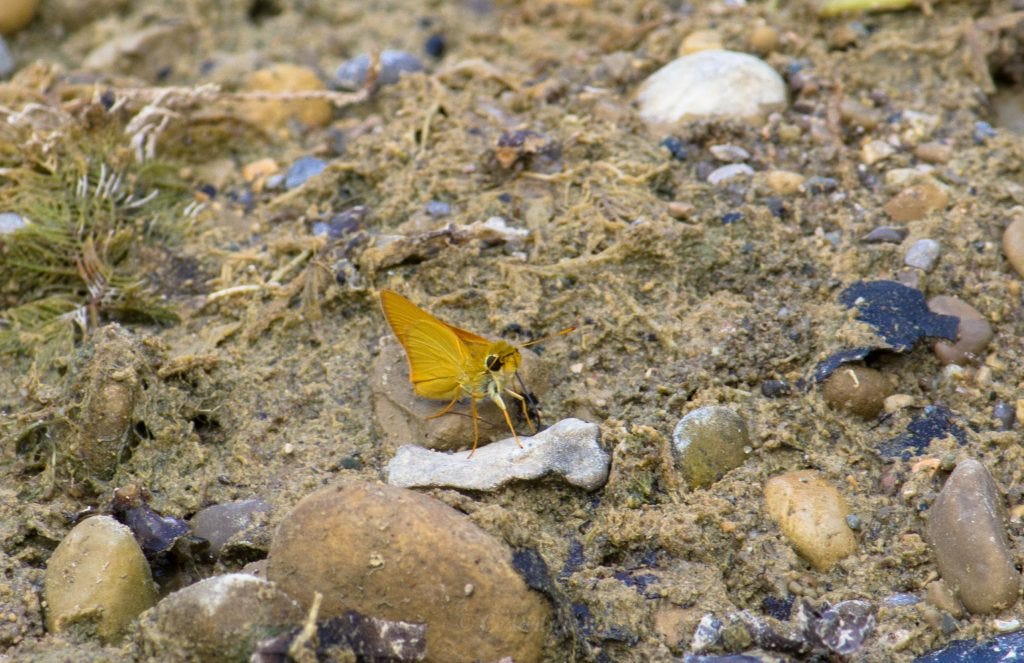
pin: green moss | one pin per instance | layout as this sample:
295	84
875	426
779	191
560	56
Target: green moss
96	222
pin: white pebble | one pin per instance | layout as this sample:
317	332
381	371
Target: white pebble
711	84
568	449
726	173
922	254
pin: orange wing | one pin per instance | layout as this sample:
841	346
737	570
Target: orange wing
401	313
443	360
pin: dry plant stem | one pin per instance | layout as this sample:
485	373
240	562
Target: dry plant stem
836	7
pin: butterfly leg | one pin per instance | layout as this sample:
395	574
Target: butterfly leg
496	397
526	413
443	411
476	429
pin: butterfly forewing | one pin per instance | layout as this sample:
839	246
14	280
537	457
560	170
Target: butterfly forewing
437	360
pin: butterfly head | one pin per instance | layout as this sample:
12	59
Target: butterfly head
502	359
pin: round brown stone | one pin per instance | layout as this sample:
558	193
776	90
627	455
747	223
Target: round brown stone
856	389
396	554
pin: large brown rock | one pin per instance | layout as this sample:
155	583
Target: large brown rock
965	530
396	554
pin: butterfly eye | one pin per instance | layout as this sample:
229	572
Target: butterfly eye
493	362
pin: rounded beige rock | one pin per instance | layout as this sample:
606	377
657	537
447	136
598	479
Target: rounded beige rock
811	513
396	554
97	580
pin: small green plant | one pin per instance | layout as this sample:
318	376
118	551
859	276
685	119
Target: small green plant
92	231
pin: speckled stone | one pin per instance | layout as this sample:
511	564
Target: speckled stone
216	619
967	536
857	389
812	515
709	442
711	84
973	333
97	580
401	555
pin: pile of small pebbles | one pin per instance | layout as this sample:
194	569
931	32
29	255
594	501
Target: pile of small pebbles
396	554
968	538
216	619
709	442
569	450
710	84
97	581
812	514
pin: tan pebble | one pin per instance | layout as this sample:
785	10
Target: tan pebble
763	39
16	14
967	536
97	580
398	554
812	514
700	40
973	333
942	597
784	182
677	209
898	402
934	152
876	150
858	115
1013	245
843	36
897	179
283	78
259	169
915	202
857	389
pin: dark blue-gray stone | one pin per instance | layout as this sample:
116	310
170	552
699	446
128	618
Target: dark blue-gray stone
899	314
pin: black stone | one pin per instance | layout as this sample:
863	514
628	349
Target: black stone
934	423
898	313
1001	648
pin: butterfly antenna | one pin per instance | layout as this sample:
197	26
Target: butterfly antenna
562	332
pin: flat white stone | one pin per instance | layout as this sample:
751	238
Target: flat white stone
568	449
711	84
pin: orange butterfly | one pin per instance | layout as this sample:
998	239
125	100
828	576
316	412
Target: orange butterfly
449	363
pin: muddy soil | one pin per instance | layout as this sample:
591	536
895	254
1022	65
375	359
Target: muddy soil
260	387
